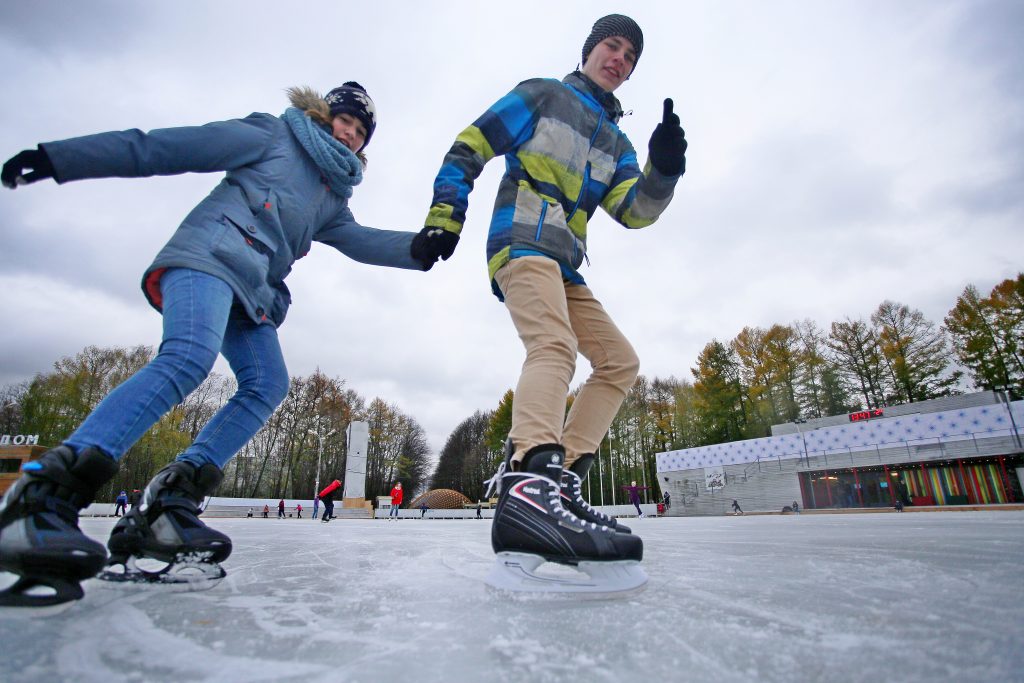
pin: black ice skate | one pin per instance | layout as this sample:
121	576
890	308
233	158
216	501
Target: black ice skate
531	527
165	527
39	536
572	495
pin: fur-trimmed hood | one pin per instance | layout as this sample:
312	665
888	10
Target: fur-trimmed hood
308	100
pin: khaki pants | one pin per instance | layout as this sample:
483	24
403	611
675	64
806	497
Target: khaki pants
555	320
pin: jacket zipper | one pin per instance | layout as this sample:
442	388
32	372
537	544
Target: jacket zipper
540	222
586	169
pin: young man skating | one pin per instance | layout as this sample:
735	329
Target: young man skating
565	157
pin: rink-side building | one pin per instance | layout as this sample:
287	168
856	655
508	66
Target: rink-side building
957	450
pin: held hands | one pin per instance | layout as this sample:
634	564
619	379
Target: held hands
33	160
667	148
431	244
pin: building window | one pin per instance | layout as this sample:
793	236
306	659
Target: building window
10	465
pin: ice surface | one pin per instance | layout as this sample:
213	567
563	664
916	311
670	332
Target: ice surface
858	597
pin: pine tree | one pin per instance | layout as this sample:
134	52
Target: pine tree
856	354
719	394
916	354
988	334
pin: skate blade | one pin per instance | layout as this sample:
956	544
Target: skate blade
33	597
524	575
189	572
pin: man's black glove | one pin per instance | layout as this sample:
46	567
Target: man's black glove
667	147
34	160
431	244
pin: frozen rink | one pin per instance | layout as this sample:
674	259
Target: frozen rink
856	597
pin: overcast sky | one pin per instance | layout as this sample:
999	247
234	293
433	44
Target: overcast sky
841	154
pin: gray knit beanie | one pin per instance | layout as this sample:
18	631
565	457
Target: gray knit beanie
614	25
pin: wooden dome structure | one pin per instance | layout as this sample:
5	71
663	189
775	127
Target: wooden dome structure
441	499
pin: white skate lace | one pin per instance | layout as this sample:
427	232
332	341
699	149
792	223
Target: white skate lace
556	502
577	493
495	481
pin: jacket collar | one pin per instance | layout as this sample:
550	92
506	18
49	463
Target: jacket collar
607	100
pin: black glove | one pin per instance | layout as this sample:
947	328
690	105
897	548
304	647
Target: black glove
667	147
431	244
34	160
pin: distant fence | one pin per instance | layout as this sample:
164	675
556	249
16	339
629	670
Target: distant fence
239	507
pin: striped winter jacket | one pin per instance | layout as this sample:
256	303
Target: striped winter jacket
565	156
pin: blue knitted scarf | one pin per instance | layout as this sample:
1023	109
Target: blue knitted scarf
339	164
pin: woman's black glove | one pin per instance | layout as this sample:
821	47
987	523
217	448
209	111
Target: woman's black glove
34	160
431	244
667	147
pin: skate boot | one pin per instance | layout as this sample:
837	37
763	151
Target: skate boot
39	536
572	495
531	527
165	527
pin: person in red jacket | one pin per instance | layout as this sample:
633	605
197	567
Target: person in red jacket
328	501
396	500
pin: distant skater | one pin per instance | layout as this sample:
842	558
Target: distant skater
396	500
634	497
316	506
120	504
736	508
326	498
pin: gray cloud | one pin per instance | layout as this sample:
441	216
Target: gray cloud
51	27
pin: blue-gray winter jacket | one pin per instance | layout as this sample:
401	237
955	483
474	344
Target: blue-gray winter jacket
256	223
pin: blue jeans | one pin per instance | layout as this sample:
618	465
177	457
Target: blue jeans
199	321
394	511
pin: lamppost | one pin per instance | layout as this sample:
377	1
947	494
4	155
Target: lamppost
9	403
1004	394
799	421
611	465
319	454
